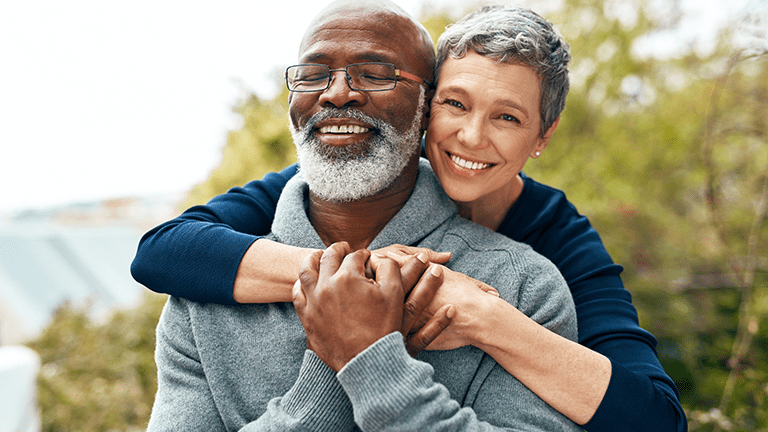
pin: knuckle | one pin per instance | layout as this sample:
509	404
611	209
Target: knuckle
305	276
411	309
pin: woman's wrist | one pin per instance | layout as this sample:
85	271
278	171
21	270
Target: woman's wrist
267	272
489	322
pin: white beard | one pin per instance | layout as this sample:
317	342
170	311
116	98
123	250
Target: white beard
343	174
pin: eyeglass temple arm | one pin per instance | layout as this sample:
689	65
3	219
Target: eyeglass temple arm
413	77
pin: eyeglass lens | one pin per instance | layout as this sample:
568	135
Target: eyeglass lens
359	76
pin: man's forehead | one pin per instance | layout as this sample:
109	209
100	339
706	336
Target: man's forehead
366	44
365	23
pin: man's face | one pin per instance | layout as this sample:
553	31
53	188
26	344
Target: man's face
353	144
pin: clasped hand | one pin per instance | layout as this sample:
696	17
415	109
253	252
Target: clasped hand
346	301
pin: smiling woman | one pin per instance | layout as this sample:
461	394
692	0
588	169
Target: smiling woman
484	125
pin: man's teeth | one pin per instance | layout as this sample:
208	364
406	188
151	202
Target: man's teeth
343	129
467	164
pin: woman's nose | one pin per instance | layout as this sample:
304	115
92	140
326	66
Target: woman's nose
471	133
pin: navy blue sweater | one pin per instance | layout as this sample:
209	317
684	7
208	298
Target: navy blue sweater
197	254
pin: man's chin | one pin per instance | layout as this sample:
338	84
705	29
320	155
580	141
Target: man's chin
346	181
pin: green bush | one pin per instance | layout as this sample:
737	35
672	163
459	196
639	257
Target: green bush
98	377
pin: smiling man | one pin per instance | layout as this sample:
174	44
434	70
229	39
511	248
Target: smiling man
335	358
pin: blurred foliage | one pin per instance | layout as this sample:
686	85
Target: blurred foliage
668	158
98	376
262	144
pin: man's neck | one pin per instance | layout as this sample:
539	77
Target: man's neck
359	222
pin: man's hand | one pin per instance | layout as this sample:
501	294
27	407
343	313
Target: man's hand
343	311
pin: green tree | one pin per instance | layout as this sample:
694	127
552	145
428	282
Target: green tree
263	144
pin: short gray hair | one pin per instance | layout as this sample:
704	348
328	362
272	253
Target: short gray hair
514	35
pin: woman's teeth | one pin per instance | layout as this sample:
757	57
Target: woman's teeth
467	164
343	129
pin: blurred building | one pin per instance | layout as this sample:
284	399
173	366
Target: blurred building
78	254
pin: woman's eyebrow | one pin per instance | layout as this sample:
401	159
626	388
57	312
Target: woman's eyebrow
458	90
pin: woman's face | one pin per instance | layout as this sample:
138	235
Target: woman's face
484	124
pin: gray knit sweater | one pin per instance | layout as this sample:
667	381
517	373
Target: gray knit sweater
247	367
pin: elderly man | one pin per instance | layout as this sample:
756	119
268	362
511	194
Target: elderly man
337	361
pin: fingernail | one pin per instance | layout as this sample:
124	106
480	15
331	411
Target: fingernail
422	257
379	254
494	293
451	312
436	270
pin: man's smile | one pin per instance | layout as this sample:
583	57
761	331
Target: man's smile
344	129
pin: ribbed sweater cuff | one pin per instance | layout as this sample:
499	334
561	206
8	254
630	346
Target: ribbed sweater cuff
384	380
317	399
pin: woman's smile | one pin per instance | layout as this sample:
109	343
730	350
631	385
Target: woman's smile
466	164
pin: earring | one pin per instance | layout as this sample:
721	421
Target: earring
538	153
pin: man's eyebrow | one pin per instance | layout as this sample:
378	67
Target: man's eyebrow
366	57
376	58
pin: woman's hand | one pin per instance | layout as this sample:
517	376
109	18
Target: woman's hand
469	297
420	284
402	254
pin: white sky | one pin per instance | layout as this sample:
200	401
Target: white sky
105	98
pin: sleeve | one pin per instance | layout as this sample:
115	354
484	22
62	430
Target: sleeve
184	401
316	402
183	396
640	395
390	391
196	255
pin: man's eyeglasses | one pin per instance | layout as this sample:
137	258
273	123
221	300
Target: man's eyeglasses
359	76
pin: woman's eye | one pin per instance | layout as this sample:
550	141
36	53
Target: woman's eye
454	103
510	118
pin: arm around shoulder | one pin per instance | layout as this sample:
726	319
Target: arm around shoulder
197	254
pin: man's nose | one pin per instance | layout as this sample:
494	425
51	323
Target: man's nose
339	93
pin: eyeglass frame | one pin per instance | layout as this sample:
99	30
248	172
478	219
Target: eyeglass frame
348	78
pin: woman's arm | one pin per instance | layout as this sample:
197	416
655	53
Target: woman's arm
569	377
640	395
215	253
198	255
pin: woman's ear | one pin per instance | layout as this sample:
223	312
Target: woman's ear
543	142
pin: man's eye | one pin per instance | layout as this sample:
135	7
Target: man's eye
311	78
376	77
